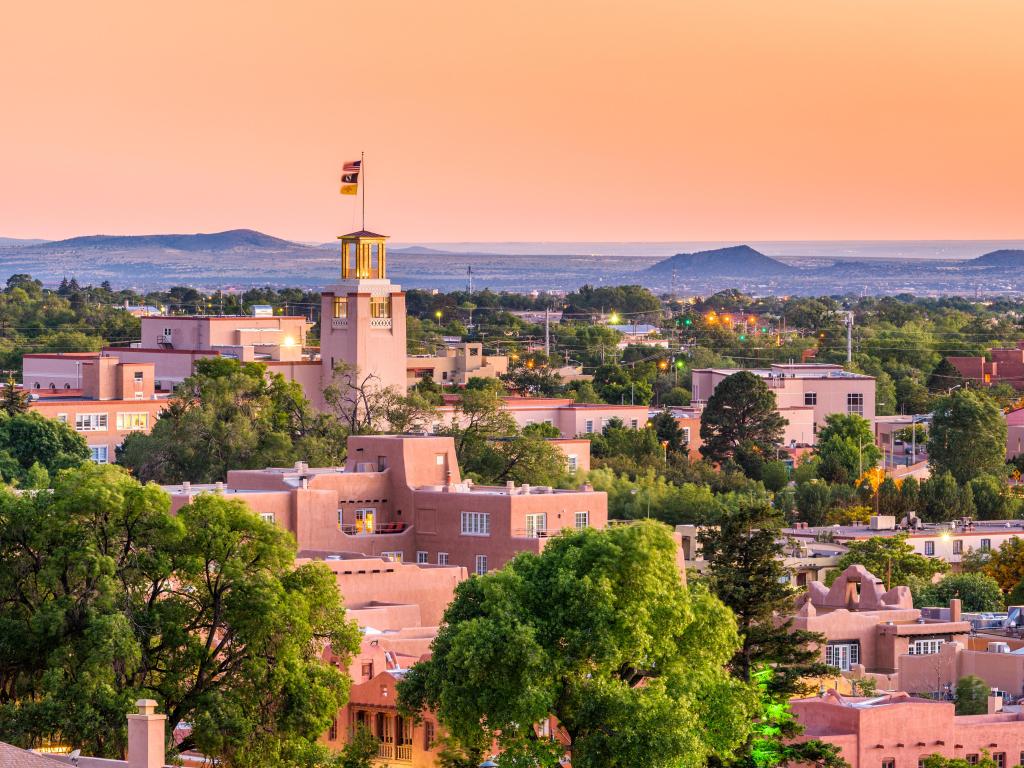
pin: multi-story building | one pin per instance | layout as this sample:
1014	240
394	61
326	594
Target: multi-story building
1005	366
402	497
105	400
570	418
455	365
806	394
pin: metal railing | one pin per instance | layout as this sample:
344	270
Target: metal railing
381	528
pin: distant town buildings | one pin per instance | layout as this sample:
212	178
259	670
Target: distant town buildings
1006	366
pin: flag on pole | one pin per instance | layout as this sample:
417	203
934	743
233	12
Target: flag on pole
350	177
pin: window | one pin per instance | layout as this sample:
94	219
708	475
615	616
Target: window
62	418
138	377
972	759
686	435
842	655
421	558
380	306
167	331
365	520
442	558
332	734
536	525
98	453
393	557
476	524
1000	759
925	646
958	547
91	422
481	565
572	462
582	519
888	762
633	423
439	459
132	422
267	517
341	307
367	670
929	548
986	545
810	398
588	427
428	734
855	403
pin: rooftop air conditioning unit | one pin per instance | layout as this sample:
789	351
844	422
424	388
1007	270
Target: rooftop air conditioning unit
998	648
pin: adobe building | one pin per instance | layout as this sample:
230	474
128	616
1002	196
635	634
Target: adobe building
455	365
570	418
402	497
898	730
104	399
870	630
1006	366
805	393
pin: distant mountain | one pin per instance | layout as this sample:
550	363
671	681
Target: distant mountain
216	241
6	242
737	261
1004	259
422	250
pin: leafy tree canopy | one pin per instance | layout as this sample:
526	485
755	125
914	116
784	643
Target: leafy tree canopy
740	415
889	557
968	436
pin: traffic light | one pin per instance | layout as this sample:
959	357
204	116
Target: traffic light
688	321
743	337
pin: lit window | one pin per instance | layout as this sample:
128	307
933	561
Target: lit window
855	403
476	524
582	519
131	422
380	306
481	565
421	558
341	307
267	517
394	557
99	453
442	558
810	398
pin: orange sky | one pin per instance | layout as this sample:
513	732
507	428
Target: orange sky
527	120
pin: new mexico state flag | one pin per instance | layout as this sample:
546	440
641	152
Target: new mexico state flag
349	189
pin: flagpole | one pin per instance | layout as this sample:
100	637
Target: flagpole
362	168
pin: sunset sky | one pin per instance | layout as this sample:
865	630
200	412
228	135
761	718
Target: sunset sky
528	120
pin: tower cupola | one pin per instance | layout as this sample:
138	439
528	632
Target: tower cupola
363	256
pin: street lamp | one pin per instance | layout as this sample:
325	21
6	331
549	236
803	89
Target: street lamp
438	316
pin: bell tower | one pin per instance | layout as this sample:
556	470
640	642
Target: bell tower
362	317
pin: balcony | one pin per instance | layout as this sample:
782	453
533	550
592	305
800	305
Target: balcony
388	751
350	529
533	533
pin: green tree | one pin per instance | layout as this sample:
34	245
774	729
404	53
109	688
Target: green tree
943	500
1006	564
775	476
976	591
968	436
740	415
891	559
13	400
813	501
971	696
203	611
30	440
598	631
230	415
846	447
992	500
668	431
890	498
745	572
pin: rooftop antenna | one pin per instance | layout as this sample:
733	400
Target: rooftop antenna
469	272
362	170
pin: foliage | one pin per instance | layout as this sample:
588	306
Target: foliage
598	631
668	432
740	415
943	500
775	475
745	572
231	415
977	592
203	611
617	440
13	400
1006	564
32	445
813	501
992	499
968	436
668	502
846	447
890	558
971	696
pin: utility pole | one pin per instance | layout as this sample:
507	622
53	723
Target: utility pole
849	337
547	332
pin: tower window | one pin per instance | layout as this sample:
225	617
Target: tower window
380	306
341	306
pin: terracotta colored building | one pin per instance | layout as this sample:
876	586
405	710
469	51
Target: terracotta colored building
1005	366
572	419
402	497
806	394
106	400
454	366
898	730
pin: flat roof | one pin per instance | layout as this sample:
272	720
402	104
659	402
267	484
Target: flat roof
790	372
863	530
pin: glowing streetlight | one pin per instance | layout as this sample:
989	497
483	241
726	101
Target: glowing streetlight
438	316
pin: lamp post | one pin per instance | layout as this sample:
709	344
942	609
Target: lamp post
438	316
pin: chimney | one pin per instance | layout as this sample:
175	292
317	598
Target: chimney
186	486
218	487
304	482
954	609
146	736
995	701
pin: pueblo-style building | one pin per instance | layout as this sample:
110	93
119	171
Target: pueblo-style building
402	497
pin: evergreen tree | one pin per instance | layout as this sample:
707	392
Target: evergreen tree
669	432
13	400
741	417
745	572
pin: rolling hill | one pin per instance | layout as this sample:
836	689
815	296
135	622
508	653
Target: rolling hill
1003	259
737	261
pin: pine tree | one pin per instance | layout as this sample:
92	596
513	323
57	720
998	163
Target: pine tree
13	400
745	572
741	417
